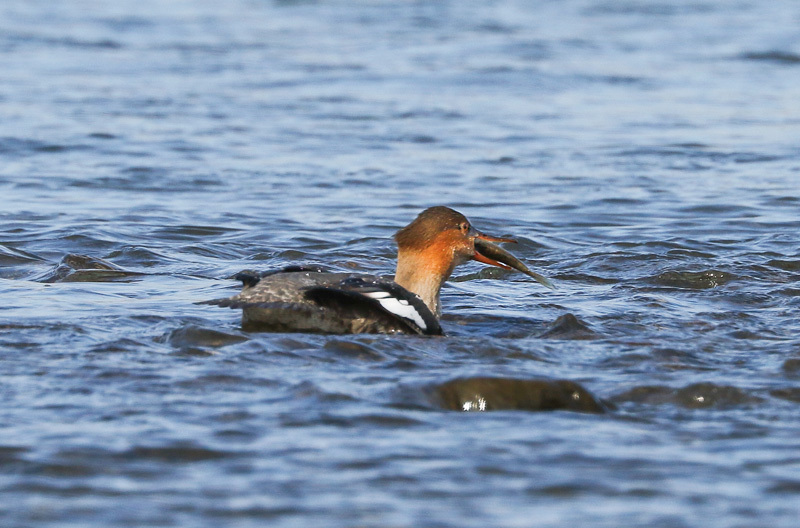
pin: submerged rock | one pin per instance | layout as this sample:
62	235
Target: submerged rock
492	394
568	327
82	268
191	337
792	366
695	396
693	280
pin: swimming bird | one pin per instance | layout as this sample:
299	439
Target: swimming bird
313	299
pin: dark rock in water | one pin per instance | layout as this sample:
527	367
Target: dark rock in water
792	366
791	394
191	337
492	394
82	268
568	327
84	262
694	396
704	395
786	265
778	56
694	280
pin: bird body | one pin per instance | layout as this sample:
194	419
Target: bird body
310	299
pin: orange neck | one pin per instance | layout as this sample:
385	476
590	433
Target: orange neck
424	272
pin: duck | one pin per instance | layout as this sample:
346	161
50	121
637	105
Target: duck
315	299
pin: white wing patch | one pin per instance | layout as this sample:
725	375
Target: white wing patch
399	307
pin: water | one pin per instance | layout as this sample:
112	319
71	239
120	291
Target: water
645	154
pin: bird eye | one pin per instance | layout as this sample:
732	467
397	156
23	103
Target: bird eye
464	227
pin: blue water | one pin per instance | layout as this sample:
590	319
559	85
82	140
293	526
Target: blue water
644	153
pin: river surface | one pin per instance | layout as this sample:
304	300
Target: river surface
644	153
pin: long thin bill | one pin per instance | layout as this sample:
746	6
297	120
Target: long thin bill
489	253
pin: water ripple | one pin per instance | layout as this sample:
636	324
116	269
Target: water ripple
643	154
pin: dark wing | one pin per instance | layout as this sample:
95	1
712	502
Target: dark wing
299	308
383	296
251	278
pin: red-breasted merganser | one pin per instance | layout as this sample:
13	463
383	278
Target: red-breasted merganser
310	299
